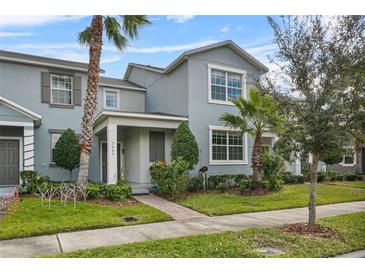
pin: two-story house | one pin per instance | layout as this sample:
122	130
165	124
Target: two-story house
136	116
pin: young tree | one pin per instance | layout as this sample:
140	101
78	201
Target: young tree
310	59
255	116
67	151
118	33
184	145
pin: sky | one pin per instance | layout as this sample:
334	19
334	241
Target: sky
157	45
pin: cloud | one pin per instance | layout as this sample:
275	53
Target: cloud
225	29
24	21
239	28
180	18
14	34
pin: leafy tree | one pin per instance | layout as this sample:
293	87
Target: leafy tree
185	146
255	116
67	151
312	64
118	33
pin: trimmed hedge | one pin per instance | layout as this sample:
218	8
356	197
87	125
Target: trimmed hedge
196	184
230	179
291	179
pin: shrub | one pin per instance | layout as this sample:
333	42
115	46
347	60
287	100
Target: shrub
185	146
272	166
274	184
214	181
223	187
289	178
196	184
244	185
67	151
351	176
339	177
238	179
95	191
331	175
29	179
171	179
118	192
321	176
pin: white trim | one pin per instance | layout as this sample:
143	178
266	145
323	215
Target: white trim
20	139
20	108
117	91
15	124
226	69
142	115
71	90
348	165
46	64
227	162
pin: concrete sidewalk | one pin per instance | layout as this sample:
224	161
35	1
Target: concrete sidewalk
71	241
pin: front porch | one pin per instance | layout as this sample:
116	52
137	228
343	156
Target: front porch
128	143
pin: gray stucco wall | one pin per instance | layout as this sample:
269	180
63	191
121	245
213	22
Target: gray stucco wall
165	93
22	84
203	114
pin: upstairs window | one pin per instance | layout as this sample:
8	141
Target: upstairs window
224	84
61	89
111	99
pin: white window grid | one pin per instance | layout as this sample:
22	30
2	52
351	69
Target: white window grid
61	94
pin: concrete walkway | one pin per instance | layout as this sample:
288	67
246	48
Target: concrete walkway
355	254
177	212
71	241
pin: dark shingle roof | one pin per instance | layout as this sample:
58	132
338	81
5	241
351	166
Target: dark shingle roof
28	58
108	81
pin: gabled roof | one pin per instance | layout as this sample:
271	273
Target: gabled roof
23	110
23	58
119	83
178	61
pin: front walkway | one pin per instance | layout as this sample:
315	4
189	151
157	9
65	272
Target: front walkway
177	212
71	241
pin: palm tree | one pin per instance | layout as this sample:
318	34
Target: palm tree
256	115
117	33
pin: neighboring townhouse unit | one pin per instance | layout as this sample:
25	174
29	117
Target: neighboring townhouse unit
136	116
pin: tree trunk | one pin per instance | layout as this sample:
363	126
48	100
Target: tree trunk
313	190
256	181
358	157
87	129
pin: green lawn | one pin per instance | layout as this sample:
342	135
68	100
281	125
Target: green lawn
290	196
350	237
30	219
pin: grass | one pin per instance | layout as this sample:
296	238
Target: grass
30	219
290	196
350	237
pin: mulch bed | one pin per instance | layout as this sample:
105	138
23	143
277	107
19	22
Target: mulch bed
309	230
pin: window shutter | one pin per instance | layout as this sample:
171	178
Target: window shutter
46	87
77	90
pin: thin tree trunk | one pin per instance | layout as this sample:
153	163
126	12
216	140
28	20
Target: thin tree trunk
257	162
358	157
313	190
87	129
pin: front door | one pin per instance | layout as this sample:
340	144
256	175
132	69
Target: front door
9	162
104	161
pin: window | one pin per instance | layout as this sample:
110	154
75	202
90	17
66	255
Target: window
225	83
61	89
348	159
226	146
157	146
111	99
54	139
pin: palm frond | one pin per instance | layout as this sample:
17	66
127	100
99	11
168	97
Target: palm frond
113	32
84	37
133	23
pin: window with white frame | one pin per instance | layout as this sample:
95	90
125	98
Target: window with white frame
227	146
111	99
349	158
61	89
54	139
225	83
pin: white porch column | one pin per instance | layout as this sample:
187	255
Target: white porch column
297	166
28	148
112	165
